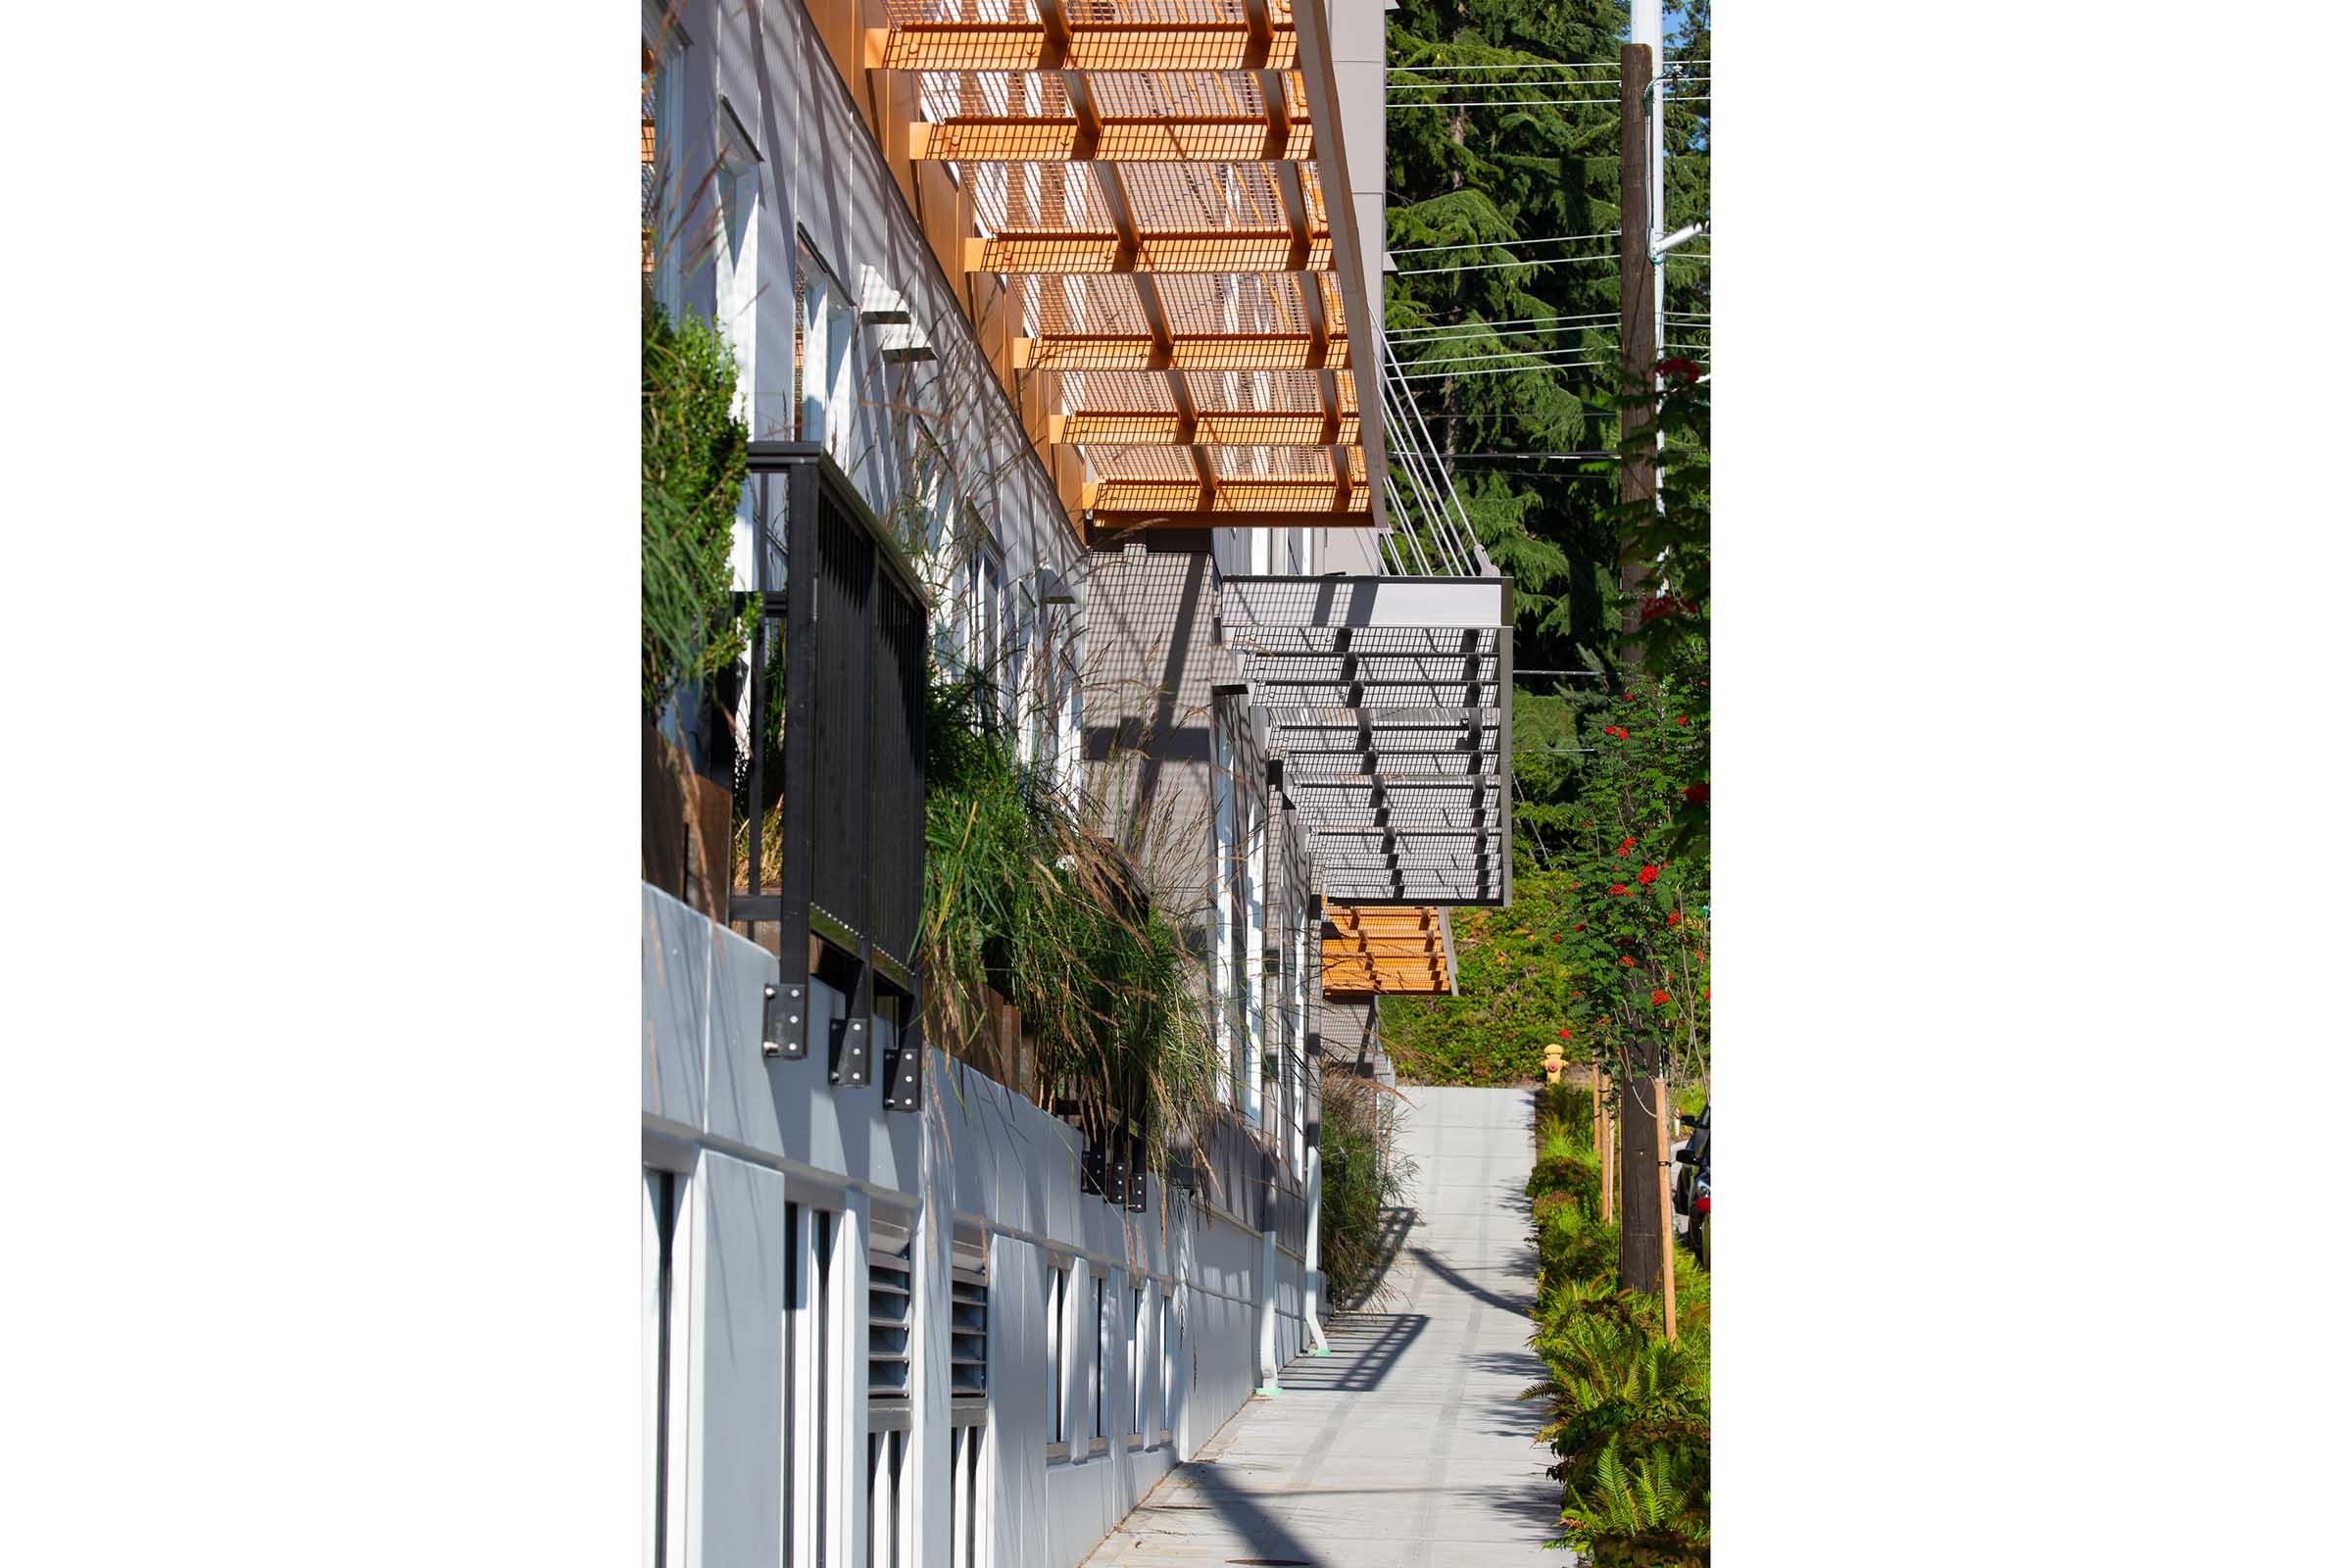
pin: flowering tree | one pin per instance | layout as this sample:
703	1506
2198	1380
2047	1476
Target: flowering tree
1637	936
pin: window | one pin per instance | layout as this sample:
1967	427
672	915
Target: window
886	1500
1098	1373
827	361
984	606
889	1353
967	1367
1168	1366
1223	857
1021	623
1296	1097
737	188
816	1414
1249	959
1136	1296
1057	1306
658	1257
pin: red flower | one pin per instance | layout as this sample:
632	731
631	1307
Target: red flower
1682	367
1616	887
1647	875
1626	962
1563	1034
1627	845
1629	697
1695	794
1675	918
1709	992
1684	720
1580	926
1657	998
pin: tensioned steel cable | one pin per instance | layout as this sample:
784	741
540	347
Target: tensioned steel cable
1419	431
1501	244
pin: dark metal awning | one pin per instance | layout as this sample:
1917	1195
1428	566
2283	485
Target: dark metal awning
1388	702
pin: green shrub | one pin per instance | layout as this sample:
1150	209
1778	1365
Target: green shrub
1019	897
1626	1410
693	457
1648	1511
1362	1179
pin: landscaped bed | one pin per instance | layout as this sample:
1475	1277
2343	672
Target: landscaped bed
1627	1407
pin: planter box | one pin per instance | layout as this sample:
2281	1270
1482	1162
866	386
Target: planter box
677	839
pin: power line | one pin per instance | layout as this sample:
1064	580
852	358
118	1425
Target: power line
1500	244
1507	369
1523	64
1522	321
1467	339
1506	354
1507	102
1489	267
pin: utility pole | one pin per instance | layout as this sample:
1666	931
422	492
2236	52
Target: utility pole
1640	302
1641	1235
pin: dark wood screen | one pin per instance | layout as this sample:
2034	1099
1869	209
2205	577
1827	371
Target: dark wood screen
830	872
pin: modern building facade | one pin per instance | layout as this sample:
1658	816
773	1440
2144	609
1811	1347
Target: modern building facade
1056	327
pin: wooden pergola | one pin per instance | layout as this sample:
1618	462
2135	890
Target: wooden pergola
1144	177
1374	950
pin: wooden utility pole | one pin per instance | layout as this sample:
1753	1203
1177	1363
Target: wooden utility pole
1657	1087
1641	1236
1637	310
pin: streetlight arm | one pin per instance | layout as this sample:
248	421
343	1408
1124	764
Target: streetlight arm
1660	245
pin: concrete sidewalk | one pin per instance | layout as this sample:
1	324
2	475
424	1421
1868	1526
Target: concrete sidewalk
1408	1445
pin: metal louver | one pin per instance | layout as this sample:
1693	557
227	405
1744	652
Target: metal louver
967	1328
890	1303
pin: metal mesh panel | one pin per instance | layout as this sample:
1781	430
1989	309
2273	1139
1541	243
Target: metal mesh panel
1203	198
1039	198
1256	303
1305	463
1172	463
1093	305
905	11
897	777
1176	95
1256	391
1117	390
839	790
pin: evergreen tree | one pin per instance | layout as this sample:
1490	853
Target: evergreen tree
1513	351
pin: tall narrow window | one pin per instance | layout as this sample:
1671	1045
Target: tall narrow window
825	362
1057	1302
816	1418
733	251
1100	1371
1168	1366
1224	854
967	1363
656	1257
1250	948
889	1384
1136	1296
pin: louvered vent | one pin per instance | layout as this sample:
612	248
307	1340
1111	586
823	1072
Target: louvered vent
967	1332
890	1302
